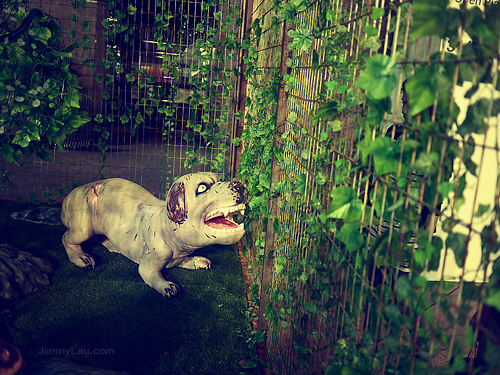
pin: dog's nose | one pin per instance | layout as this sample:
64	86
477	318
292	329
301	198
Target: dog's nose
240	190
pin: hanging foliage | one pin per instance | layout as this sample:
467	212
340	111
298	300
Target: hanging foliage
39	95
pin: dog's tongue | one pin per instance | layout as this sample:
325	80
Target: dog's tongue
220	223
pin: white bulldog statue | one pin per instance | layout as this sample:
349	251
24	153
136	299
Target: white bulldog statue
155	234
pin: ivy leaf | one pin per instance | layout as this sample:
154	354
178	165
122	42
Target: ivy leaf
377	13
300	184
370	30
99	118
474	121
459	364
344	204
373	43
315	60
77	120
72	99
302	39
457	242
321	178
494	300
393	313
27	134
481	210
427	163
495	108
445	188
428	17
385	155
421	89
342	88
131	9
470	337
335	125
433	252
264	182
310	306
276	226
403	288
379	77
326	111
292	116
349	235
331	85
340	196
349	212
43	35
377	109
489	240
7	152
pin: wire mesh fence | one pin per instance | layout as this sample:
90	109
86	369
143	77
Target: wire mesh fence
156	86
375	225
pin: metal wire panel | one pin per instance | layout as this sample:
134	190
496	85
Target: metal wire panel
326	307
150	113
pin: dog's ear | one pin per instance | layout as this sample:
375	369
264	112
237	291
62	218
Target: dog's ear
176	203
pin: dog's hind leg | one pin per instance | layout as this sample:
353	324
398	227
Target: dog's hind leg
77	218
192	263
71	241
108	245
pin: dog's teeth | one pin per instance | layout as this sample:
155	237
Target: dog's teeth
225	211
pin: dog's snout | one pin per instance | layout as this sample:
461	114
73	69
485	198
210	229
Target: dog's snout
240	190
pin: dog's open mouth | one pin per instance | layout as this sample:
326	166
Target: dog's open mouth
226	218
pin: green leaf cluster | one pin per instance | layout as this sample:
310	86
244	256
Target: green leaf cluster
39	95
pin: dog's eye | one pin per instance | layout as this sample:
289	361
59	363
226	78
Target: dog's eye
201	188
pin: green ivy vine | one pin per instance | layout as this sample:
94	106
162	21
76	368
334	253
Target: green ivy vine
338	195
212	76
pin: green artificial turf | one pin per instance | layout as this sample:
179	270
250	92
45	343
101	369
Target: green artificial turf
109	318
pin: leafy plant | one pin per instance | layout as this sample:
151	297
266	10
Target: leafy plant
39	95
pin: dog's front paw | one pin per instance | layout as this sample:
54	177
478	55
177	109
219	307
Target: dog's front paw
201	262
170	290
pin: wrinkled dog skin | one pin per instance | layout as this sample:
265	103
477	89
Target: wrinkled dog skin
154	233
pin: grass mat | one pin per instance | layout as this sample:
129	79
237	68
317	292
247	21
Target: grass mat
109	318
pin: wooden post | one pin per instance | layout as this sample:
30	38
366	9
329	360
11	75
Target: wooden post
242	91
281	115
